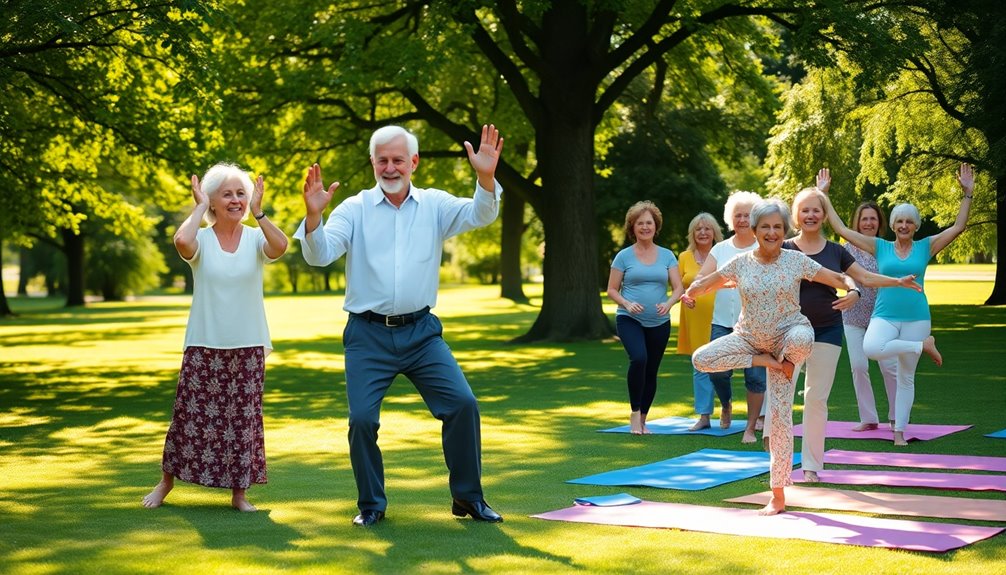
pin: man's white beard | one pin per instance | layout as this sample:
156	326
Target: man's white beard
390	186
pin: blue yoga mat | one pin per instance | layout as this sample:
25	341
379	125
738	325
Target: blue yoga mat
608	500
692	472
1001	434
675	425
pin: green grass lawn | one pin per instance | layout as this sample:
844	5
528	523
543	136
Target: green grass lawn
85	398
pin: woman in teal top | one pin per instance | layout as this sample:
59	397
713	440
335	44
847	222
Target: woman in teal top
638	283
900	326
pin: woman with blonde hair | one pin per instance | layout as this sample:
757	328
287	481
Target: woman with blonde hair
638	283
695	323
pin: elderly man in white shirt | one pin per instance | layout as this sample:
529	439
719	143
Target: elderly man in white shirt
392	235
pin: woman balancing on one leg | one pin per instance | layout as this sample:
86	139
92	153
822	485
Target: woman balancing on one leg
771	331
901	324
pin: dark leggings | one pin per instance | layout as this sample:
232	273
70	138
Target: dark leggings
645	346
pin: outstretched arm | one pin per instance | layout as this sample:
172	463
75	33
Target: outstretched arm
842	281
855	238
703	285
966	178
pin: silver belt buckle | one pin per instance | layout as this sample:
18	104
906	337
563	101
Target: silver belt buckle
394	321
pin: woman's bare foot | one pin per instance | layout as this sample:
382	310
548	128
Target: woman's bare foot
865	427
156	497
726	416
929	348
702	423
749	436
642	423
635	423
776	505
899	439
239	502
810	476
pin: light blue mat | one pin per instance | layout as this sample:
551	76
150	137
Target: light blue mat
1001	434
608	500
675	425
699	470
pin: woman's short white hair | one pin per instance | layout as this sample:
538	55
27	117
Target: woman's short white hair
739	198
768	207
216	176
905	210
384	135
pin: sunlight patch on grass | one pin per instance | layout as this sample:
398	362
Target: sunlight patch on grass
22	417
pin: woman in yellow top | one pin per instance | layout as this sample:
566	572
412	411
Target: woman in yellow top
695	323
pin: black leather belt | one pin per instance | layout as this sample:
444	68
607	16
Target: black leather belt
394	320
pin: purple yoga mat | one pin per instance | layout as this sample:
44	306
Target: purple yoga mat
843	430
823	527
966	481
919	460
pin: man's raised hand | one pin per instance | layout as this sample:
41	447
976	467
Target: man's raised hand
484	161
316	197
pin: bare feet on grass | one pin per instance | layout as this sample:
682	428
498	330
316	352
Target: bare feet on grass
865	427
239	502
929	348
156	497
749	436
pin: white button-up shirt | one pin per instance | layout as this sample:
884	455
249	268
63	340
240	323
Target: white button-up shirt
393	254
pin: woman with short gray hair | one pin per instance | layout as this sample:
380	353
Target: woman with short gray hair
901	324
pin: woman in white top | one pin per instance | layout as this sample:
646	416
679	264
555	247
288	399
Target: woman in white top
216	437
727	309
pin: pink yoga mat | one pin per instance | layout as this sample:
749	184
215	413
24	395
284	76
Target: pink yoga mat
823	527
966	481
886	503
919	460
843	430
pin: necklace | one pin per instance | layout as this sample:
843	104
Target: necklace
700	258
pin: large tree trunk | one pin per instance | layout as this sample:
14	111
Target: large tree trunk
512	280
564	142
22	281
998	296
73	247
4	306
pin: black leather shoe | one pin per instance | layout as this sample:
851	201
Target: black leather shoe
479	510
368	517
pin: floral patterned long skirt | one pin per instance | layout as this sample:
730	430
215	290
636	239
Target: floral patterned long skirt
216	436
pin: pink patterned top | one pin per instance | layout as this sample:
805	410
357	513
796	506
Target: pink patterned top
770	293
859	314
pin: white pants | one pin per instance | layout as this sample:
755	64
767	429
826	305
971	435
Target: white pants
817	383
861	376
901	340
